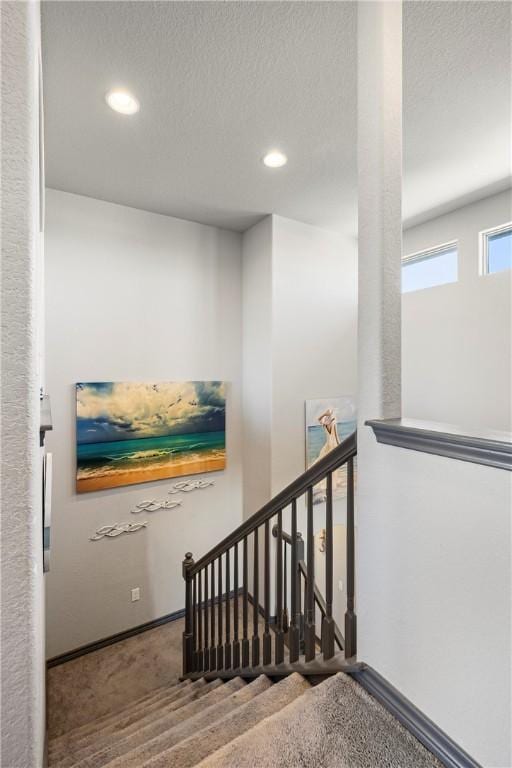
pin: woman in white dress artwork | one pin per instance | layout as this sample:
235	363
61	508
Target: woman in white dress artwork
328	421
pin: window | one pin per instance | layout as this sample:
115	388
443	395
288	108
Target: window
496	249
426	269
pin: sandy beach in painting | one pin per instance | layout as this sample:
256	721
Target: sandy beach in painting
213	463
141	460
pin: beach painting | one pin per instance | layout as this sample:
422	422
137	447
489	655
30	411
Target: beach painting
328	422
129	432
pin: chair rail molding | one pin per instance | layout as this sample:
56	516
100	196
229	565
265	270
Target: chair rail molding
494	449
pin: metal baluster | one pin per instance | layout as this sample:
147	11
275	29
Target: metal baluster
188	639
220	601
245	608
279	640
255	603
350	616
328	621
309	630
213	649
227	645
302	592
294	633
199	655
267	639
236	642
194	622
206	661
285	588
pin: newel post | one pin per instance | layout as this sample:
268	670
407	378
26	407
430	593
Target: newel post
188	637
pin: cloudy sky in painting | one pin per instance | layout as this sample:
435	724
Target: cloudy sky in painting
109	411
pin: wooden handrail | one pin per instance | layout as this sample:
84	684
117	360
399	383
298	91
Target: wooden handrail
333	460
285	536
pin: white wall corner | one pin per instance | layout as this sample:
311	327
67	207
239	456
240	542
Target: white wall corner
433	534
379	262
22	646
257	281
380	207
137	253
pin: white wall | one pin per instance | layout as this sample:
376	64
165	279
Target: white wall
434	592
314	347
134	296
257	365
433	556
314	333
300	316
299	342
457	338
22	596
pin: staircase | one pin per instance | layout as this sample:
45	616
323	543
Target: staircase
265	684
237	724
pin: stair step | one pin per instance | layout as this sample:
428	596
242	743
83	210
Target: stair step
216	734
337	724
93	726
128	725
151	727
64	746
205	717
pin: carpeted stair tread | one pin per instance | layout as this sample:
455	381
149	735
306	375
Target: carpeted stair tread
88	726
92	726
194	724
216	734
118	720
125	727
337	724
131	738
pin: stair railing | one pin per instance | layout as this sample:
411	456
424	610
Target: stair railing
214	638
302	576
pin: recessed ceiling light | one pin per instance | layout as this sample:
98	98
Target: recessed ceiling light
122	101
275	159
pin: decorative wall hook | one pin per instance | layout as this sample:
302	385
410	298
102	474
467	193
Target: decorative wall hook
153	505
185	486
116	530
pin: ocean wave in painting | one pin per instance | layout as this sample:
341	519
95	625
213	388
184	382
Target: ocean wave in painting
100	459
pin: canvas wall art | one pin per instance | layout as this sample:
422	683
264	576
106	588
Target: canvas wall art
131	433
328	422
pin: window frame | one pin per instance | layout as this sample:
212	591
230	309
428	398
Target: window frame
483	247
428	253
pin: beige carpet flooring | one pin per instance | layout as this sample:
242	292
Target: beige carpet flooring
124	707
240	724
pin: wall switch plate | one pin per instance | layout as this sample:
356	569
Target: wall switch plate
340	585
135	594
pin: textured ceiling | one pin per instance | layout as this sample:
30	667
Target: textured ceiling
219	84
222	82
457	103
